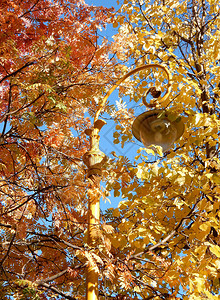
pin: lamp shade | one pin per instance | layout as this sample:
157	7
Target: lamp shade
156	128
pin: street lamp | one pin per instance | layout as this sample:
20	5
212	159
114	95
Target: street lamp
155	127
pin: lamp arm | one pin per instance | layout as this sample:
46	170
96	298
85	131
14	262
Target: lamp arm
138	69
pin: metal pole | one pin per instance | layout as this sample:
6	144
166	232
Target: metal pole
94	158
93	228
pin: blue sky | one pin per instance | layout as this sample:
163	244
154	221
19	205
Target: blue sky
106	3
110	31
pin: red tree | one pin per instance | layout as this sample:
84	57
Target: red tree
51	70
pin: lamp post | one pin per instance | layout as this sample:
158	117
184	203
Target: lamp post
152	127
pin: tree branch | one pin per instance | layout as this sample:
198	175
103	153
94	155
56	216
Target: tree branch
42	281
57	291
17	71
9	248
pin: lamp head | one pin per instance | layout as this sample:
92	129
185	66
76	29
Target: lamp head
155	128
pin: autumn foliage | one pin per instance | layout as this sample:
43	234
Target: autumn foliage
52	67
163	240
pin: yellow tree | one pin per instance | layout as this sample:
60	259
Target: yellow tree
167	234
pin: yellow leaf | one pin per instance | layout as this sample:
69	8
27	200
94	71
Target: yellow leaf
137	289
217	264
155	169
150	151
108	228
159	150
200	284
210	296
216	178
116	213
142	230
205	226
215	249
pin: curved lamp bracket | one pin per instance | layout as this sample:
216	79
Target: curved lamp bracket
136	70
